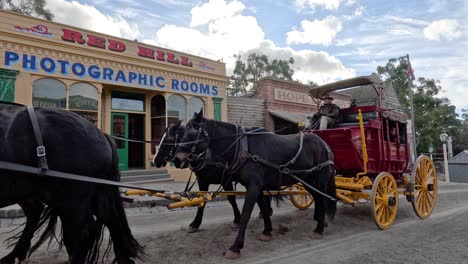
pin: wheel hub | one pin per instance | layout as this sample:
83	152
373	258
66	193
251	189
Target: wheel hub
391	201
430	187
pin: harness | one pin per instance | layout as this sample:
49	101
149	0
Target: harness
43	168
242	155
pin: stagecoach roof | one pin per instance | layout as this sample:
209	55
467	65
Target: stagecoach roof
319	91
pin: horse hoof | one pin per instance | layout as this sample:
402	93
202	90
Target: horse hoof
265	238
231	255
316	236
192	229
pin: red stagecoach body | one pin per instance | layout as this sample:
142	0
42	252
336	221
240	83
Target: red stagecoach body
386	151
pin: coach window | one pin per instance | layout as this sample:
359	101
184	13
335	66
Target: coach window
83	100
176	109
49	93
194	106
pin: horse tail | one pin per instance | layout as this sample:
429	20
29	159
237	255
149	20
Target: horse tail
45	215
331	191
109	209
50	217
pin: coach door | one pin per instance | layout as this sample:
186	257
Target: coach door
119	128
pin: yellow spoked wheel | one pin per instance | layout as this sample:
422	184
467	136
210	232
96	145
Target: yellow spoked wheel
301	201
384	200
424	178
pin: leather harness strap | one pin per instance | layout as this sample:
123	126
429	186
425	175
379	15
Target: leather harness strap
40	149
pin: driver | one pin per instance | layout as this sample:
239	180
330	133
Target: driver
328	113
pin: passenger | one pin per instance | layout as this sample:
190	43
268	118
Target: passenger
328	115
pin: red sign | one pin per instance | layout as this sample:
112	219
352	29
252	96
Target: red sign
119	46
40	30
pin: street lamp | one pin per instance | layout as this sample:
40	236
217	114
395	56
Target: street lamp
431	150
444	139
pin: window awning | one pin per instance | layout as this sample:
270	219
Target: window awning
292	117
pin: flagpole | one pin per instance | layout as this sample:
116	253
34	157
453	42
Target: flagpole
413	125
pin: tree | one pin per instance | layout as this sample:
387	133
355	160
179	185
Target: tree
432	114
28	7
246	74
396	71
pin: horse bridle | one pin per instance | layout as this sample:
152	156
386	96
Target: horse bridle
204	156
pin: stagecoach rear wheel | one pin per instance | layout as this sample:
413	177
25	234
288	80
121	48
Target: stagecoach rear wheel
301	201
424	178
384	200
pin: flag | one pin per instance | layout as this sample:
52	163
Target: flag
410	71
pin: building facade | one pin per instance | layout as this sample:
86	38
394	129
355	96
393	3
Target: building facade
126	88
288	103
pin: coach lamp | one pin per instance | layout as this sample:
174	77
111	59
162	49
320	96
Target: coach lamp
444	139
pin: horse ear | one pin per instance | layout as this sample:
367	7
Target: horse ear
199	116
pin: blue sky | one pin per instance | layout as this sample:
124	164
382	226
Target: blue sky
330	39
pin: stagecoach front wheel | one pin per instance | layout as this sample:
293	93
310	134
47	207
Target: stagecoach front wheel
301	201
424	178
384	200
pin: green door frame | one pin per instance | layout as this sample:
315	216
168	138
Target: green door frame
122	148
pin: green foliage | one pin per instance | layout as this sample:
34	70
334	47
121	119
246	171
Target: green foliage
28	7
246	74
432	114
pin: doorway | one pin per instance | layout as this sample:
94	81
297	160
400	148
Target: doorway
130	126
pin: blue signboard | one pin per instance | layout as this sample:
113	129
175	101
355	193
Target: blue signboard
66	68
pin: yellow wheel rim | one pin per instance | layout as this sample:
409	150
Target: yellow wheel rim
301	201
425	187
384	200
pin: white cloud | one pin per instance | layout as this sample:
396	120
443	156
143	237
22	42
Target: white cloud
234	33
309	65
315	32
224	37
88	17
214	10
443	29
312	4
359	10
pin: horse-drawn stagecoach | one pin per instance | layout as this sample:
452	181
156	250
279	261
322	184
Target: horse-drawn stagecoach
364	157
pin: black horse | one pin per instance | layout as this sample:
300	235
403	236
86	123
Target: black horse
258	171
73	145
205	176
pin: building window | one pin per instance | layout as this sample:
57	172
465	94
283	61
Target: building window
194	106
158	120
83	100
128	101
49	93
176	109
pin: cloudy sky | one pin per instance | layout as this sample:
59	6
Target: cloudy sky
329	39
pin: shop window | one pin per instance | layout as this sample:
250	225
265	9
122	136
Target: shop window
158	120
83	100
194	106
49	93
128	102
176	109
